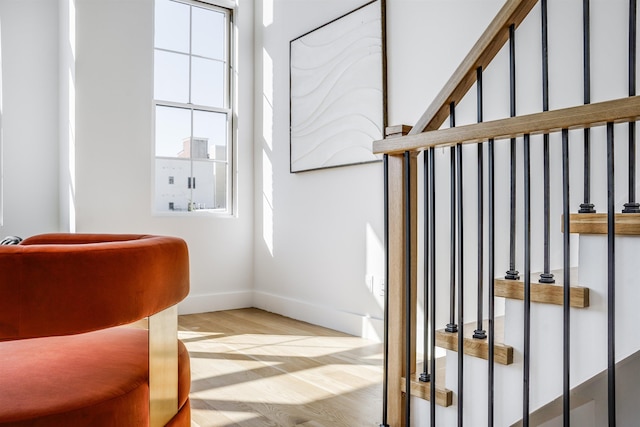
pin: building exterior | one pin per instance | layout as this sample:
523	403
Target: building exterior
193	180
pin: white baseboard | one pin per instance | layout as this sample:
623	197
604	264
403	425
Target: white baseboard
215	302
351	323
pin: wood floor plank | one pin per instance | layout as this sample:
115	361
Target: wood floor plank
254	368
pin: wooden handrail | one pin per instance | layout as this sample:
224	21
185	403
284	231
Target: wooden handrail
482	53
580	117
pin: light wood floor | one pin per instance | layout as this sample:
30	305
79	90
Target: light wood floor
253	368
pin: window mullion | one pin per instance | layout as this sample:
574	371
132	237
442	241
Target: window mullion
193	106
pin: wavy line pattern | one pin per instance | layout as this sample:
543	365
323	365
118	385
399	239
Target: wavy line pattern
336	92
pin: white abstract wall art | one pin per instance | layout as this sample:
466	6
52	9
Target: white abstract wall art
336	98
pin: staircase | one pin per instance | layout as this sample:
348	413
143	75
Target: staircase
467	203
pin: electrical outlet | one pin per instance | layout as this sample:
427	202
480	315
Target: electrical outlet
370	280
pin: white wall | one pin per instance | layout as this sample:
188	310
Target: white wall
318	235
83	69
29	116
77	133
114	150
311	238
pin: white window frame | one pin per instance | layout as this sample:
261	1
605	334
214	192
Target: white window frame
228	7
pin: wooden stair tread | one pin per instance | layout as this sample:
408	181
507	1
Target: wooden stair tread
547	293
503	354
444	397
626	224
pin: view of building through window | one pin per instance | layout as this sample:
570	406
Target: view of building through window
192	107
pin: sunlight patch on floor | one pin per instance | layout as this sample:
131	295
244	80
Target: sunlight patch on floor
273	371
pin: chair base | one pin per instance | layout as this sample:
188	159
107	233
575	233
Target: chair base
97	379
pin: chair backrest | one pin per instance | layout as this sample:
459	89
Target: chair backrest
59	284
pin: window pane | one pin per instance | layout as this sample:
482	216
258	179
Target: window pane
173	133
211	185
212	128
171	77
207	82
172	26
208	33
172	197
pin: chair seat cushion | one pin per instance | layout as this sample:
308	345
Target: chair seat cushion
93	379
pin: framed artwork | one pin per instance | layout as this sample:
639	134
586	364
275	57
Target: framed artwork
336	91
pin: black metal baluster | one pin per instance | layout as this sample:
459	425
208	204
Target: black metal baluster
512	273
632	206
385	162
546	276
611	278
479	333
452	326
432	299
407	267
586	206
491	358
566	411
424	376
460	288
527	282
385	366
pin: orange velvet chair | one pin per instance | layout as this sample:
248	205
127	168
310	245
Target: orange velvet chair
65	357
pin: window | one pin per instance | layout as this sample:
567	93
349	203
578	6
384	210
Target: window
192	106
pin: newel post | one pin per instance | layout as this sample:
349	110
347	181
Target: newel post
397	287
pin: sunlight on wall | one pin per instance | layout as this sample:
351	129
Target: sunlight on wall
267	203
374	265
267	124
267	12
267	99
72	154
267	135
371	329
68	119
72	28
